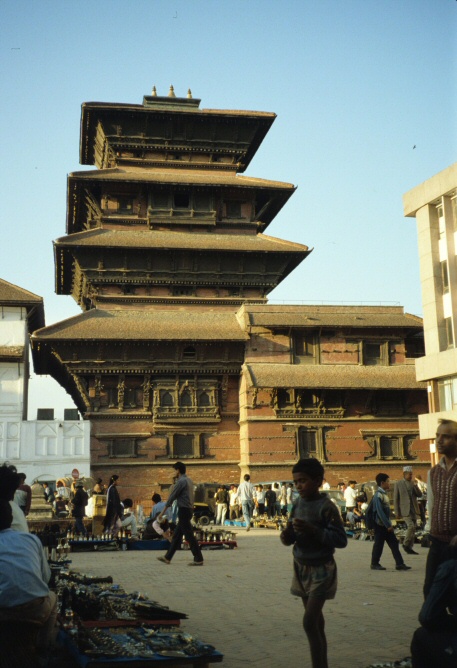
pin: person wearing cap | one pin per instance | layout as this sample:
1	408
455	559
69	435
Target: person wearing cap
80	500
406	507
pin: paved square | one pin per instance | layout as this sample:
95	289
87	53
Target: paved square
240	601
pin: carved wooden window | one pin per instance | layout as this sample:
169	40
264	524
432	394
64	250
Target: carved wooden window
372	354
123	447
183	445
305	348
389	446
204	399
167	399
311	442
284	398
186	398
308	443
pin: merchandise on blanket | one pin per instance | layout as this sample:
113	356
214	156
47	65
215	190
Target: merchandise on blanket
139	642
82	578
105	601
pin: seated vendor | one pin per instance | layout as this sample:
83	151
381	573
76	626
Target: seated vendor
24	574
60	507
129	519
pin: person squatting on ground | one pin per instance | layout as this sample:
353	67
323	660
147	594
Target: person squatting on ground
383	529
183	492
315	529
24	574
129	519
406	506
442	502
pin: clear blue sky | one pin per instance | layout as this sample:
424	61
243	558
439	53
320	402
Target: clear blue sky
356	84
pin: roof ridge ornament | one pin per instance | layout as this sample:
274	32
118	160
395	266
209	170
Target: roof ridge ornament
154	92
189	94
171	92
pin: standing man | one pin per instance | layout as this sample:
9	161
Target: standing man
350	496
80	501
383	529
246	497
406	507
442	502
221	504
233	494
183	492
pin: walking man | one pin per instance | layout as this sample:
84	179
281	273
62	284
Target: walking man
183	492
383	529
246	497
405	503
442	502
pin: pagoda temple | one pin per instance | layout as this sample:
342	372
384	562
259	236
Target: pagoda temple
177	353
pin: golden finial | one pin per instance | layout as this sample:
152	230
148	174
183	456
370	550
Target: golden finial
171	92
189	94
154	92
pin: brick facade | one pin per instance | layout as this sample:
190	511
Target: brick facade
177	353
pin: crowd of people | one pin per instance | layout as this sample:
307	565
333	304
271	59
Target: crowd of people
314	528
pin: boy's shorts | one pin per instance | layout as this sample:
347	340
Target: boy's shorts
314	581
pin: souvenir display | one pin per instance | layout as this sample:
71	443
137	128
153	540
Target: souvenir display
140	642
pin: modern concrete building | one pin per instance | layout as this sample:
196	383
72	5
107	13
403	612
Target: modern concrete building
44	449
434	205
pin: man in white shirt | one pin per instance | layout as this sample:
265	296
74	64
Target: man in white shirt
245	495
350	496
233	494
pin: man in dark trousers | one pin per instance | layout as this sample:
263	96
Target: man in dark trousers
383	528
183	492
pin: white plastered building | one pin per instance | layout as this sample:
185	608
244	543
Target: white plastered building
47	449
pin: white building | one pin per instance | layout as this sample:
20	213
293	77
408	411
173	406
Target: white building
434	205
45	449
